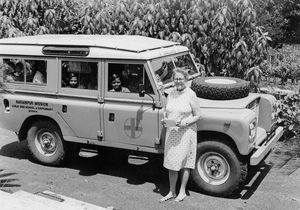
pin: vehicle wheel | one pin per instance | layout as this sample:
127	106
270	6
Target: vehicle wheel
220	88
45	143
218	170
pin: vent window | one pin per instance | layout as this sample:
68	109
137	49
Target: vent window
61	50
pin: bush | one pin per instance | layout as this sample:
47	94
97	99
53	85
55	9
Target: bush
288	112
284	63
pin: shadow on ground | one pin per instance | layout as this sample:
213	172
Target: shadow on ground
114	162
7	182
16	150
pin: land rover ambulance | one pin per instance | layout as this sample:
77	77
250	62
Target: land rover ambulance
58	89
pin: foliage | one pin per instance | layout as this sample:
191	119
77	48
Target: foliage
291	11
228	40
284	63
280	18
253	74
221	34
270	17
288	112
31	17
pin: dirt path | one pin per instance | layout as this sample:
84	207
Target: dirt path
111	181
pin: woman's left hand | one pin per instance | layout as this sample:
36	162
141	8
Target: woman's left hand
182	123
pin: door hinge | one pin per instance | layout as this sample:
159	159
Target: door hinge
158	104
100	135
157	141
101	100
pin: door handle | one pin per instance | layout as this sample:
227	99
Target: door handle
111	117
64	108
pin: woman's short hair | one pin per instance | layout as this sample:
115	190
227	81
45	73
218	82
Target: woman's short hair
180	71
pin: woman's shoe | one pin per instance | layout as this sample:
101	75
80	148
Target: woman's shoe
180	198
166	198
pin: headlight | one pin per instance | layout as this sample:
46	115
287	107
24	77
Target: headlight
252	130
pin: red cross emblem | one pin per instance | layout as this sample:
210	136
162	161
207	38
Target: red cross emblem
133	128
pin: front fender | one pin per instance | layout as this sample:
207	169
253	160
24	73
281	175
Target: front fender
232	122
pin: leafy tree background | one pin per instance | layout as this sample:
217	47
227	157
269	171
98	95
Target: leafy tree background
223	35
228	37
281	18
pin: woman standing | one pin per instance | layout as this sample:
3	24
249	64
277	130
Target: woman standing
181	140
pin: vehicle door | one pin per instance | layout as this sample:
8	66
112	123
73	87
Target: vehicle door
78	96
128	117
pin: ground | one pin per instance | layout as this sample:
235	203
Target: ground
111	181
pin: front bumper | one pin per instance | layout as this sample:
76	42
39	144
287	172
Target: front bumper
265	147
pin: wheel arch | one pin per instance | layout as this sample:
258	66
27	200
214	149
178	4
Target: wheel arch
220	137
22	135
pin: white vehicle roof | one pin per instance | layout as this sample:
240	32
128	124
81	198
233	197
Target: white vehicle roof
100	46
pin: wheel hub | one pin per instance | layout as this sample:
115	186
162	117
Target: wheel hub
213	168
46	143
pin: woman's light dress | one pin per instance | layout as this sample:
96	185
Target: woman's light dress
181	143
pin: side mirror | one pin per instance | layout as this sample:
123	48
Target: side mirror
142	93
141	90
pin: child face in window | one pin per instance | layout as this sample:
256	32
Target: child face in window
19	69
116	84
73	83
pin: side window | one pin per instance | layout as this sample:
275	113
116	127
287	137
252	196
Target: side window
127	77
21	71
81	75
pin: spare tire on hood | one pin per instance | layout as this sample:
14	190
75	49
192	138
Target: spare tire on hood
220	88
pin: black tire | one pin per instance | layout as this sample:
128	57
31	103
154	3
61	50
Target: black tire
218	170
45	143
220	88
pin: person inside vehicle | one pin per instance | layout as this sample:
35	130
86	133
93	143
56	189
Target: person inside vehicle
19	72
92	85
39	76
73	81
116	84
9	71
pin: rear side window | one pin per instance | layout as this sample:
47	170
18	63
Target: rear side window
25	71
79	75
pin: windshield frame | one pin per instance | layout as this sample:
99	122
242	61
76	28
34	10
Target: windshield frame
172	57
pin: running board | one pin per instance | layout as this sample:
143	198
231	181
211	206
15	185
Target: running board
137	160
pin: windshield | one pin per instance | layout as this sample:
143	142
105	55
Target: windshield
163	67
